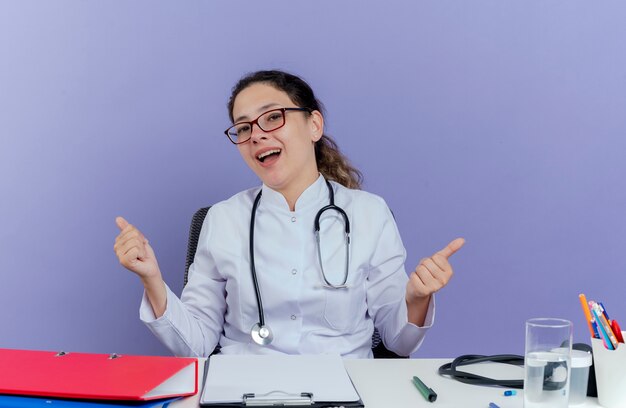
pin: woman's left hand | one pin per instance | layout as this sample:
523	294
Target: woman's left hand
429	276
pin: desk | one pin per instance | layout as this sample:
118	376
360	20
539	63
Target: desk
386	383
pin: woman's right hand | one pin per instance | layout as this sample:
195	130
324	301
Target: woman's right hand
134	252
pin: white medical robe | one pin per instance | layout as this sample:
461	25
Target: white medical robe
218	305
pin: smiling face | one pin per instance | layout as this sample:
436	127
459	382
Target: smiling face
284	159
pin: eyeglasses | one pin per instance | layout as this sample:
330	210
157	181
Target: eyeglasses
271	120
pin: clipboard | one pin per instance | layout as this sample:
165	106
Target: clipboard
277	380
96	376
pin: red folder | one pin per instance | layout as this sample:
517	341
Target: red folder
96	376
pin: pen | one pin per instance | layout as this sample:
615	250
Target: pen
493	405
605	324
617	331
594	325
604	335
604	311
585	305
426	392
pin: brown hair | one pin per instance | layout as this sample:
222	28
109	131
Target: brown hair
330	161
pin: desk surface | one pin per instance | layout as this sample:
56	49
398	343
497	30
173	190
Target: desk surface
387	383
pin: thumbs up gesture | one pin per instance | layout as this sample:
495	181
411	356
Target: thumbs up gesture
134	252
432	273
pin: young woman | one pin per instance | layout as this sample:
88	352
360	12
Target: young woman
307	263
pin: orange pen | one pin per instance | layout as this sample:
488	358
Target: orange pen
585	305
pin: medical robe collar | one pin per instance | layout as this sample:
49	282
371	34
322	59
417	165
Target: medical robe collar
311	197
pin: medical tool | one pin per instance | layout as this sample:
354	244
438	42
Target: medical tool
260	332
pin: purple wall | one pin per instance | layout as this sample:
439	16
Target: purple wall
502	122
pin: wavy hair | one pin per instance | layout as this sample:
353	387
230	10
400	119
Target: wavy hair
330	161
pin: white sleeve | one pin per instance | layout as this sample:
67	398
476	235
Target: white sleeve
192	325
386	292
409	337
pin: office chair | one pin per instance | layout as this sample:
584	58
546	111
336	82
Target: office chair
378	348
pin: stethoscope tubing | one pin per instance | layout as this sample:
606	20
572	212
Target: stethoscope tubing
262	334
257	291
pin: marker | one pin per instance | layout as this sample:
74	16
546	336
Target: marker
426	392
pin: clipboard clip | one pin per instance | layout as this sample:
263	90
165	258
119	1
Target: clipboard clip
283	399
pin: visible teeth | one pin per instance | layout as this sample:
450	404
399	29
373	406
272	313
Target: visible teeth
264	155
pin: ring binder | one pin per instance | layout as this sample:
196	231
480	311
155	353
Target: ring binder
89	376
270	399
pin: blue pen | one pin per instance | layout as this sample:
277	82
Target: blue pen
605	336
604	311
595	328
492	405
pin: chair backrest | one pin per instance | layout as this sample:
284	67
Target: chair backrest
192	243
378	348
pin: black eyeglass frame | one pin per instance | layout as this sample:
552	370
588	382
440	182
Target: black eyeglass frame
256	121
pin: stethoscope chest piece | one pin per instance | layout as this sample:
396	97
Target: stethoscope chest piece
262	335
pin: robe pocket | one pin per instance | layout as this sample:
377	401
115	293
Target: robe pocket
344	307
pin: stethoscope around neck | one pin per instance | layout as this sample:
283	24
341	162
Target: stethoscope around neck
260	332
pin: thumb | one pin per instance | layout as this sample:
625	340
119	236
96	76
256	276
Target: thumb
121	223
452	247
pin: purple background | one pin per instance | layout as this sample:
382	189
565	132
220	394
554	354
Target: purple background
503	122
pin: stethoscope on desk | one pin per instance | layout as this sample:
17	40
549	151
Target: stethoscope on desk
260	332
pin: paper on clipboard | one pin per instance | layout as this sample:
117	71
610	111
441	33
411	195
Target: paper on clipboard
229	377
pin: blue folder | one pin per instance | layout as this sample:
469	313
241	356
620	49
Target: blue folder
12	401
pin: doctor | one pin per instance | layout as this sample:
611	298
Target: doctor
263	281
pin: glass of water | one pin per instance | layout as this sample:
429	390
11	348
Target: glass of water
547	363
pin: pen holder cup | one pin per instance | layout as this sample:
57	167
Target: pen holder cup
610	367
